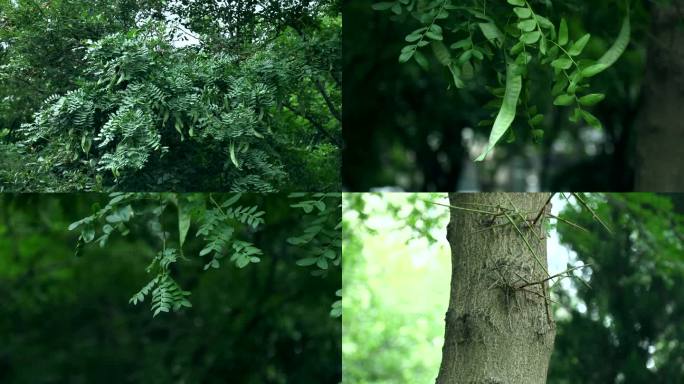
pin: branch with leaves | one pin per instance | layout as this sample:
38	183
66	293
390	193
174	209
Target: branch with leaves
226	226
512	37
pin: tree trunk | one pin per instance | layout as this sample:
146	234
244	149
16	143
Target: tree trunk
660	131
497	329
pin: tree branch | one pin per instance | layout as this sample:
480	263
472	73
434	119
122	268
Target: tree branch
314	123
328	101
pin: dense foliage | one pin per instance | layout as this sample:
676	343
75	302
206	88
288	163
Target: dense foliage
624	326
67	318
252	109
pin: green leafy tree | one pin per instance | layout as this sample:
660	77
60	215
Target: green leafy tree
255	113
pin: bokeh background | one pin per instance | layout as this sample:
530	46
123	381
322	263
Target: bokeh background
627	328
67	319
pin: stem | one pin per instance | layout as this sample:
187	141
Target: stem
422	36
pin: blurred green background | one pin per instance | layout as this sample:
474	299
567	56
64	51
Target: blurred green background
66	319
628	328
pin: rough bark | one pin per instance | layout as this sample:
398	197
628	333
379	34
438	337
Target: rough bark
496	331
660	131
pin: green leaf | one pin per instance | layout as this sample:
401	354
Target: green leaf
591	99
406	55
421	60
232	200
491	32
86	142
522	13
441	53
527	25
456	75
591	119
564	100
183	221
461	44
434	36
579	45
530	37
536	120
518	3
307	261
242	262
322	263
563	33
562	63
506	114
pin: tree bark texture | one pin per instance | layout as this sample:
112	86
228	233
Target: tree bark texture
499	325
660	128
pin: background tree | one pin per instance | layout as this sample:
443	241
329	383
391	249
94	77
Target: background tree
628	326
660	128
67	318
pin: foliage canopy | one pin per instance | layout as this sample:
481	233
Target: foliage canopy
133	106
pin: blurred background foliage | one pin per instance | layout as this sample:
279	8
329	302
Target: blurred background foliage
628	328
67	319
407	128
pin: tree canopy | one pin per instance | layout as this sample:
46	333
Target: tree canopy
125	95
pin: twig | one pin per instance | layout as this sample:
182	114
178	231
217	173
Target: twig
554	276
596	217
541	211
536	258
566	221
462	209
